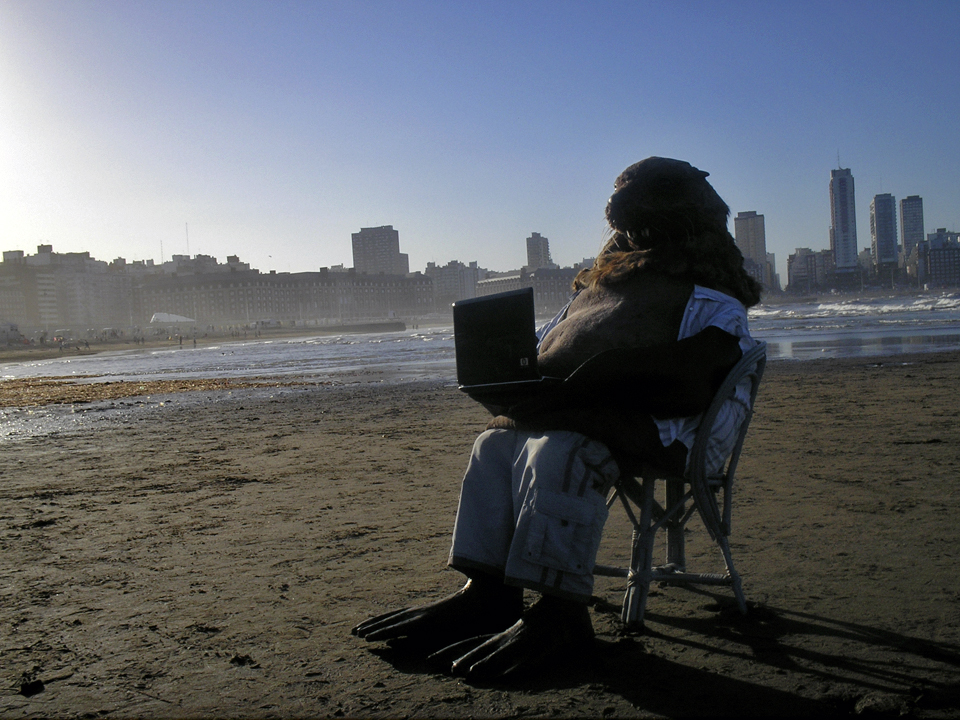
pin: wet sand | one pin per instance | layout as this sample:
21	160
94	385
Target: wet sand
208	558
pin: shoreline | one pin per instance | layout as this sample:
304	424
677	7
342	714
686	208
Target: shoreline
36	392
66	390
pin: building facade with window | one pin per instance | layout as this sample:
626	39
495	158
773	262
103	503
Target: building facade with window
538	252
911	223
751	237
377	250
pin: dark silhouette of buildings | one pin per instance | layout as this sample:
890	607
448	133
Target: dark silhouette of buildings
52	291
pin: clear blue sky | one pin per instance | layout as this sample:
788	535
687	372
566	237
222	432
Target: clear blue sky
275	129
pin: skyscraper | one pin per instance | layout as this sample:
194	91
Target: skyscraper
751	235
377	250
751	238
883	228
538	252
883	234
843	220
911	223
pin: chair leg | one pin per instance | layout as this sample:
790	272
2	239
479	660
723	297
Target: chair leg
735	582
676	550
641	561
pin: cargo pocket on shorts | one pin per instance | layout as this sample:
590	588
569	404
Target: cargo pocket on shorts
565	530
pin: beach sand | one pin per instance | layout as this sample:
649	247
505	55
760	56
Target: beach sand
208	559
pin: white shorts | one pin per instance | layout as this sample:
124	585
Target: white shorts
532	508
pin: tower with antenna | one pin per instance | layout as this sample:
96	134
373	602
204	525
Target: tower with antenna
843	220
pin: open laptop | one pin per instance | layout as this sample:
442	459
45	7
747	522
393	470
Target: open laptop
496	345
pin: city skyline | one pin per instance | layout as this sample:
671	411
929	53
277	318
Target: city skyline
368	251
275	130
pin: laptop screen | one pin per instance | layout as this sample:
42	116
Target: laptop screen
496	338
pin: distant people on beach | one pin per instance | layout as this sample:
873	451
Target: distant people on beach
652	329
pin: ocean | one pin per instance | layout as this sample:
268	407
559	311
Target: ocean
794	331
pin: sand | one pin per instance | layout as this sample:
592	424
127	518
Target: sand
207	558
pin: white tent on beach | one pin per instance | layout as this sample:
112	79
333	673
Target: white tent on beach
169	319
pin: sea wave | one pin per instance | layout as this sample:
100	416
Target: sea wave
947	301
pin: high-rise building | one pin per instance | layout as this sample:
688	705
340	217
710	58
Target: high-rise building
883	229
538	252
751	235
843	220
377	250
751	238
911	223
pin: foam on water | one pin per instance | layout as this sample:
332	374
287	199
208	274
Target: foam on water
859	327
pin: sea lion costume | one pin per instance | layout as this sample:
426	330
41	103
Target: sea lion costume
652	329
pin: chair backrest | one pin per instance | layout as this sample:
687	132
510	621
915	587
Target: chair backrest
703	484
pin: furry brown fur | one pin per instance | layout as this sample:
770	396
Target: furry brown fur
667	219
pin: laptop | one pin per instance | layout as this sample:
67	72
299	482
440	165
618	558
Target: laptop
496	346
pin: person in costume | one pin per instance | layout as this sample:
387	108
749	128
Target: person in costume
652	330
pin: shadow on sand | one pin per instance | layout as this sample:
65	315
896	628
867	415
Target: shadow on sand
873	673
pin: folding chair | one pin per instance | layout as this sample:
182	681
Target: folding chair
697	490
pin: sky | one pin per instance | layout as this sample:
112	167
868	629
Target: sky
274	130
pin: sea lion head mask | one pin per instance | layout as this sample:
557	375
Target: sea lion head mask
659	199
666	218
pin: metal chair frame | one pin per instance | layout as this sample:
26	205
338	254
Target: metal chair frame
698	491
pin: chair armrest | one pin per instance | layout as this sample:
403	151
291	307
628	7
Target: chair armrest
702	487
